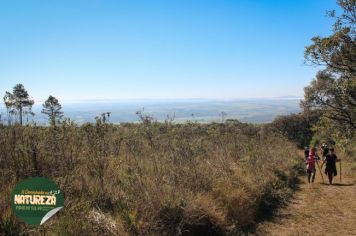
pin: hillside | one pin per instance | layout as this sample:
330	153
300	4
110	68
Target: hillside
150	178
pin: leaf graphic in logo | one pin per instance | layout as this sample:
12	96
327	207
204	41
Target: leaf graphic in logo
50	214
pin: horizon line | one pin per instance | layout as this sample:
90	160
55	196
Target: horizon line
169	99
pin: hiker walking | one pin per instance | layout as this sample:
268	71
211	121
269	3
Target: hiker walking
330	167
324	150
310	162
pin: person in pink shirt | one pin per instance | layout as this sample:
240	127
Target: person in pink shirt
311	162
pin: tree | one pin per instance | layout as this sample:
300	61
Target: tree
337	52
52	108
296	127
333	91
18	102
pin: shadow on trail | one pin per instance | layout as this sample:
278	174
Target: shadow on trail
272	203
339	184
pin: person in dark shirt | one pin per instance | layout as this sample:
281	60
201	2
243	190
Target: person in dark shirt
330	167
324	150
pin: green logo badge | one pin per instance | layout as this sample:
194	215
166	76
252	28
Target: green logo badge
36	199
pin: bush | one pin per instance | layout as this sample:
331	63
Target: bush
296	127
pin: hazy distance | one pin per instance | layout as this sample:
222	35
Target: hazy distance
200	110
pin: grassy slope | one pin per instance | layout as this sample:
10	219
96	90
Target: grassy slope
319	209
152	179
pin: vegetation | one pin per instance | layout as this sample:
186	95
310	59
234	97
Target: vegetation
150	178
296	127
18	102
162	178
52	108
329	104
333	92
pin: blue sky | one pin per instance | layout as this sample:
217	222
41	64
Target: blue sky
222	49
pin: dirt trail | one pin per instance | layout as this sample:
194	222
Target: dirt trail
318	209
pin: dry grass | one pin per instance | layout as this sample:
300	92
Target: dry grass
150	178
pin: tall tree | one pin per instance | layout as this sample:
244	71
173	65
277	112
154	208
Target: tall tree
18	102
333	91
52	108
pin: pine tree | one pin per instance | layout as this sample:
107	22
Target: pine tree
18	102
52	108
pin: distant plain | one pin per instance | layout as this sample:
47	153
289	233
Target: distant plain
197	110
